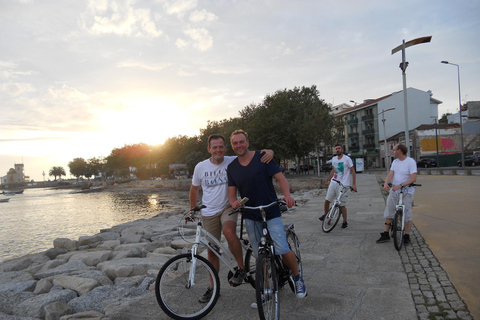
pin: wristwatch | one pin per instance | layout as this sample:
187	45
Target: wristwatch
401	184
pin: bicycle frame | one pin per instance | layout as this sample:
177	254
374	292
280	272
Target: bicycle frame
215	246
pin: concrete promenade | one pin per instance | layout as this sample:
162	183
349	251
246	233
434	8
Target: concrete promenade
348	275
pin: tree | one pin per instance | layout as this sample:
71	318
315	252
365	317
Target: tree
192	159
291	122
77	167
57	171
444	118
94	166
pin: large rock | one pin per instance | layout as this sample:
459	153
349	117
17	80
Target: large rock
14	277
89	240
55	310
63	269
87	315
95	274
92	300
23	262
34	307
78	284
43	286
68	244
130	237
131	266
19	287
108	245
54	252
9	300
108	236
91	258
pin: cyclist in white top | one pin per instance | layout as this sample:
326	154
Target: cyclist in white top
211	176
342	168
403	172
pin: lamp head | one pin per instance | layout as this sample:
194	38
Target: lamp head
446	62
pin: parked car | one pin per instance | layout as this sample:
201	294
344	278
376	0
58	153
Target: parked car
327	166
426	163
470	161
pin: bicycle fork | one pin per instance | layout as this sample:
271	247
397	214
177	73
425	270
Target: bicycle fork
193	251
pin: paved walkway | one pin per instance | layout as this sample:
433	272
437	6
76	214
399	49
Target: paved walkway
348	275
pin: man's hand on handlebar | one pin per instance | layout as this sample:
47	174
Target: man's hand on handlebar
289	201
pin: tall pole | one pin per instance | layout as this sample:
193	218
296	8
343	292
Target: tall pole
436	141
387	157
404	66
460	110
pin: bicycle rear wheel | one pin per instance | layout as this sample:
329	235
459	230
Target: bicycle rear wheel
266	287
177	298
398	230
294	245
250	267
331	219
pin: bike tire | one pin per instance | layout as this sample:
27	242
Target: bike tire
398	230
294	245
250	267
331	219
266	287
172	292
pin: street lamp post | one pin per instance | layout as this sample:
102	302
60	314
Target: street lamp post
460	111
385	136
403	66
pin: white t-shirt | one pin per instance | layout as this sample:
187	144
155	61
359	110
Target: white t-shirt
342	169
402	169
213	180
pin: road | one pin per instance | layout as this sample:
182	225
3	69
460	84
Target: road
447	214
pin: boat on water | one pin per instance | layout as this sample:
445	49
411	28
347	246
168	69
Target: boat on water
91	189
12	193
4	199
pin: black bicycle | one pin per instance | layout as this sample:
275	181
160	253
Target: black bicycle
272	273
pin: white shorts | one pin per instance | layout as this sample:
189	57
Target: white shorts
392	202
333	191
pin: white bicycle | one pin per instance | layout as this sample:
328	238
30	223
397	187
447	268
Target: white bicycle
184	278
333	215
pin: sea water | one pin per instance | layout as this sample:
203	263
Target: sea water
30	222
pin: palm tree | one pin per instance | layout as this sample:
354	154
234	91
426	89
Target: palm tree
57	171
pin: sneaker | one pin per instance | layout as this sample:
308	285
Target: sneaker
406	239
206	296
384	237
238	277
300	290
344	225
322	218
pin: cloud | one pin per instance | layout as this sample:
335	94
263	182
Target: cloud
179	7
119	17
200	37
203	15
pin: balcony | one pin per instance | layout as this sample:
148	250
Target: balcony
369	146
352	134
368	131
352	121
367	117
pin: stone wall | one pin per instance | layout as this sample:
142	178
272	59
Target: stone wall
296	184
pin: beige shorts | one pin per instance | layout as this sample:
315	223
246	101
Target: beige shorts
213	224
333	191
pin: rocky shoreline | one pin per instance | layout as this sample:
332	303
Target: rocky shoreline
95	276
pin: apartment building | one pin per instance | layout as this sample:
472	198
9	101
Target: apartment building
363	124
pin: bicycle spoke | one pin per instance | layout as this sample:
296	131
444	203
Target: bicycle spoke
174	294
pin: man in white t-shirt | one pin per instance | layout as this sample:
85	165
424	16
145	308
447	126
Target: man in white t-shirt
342	168
403	172
211	176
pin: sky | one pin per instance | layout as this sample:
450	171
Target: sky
79	78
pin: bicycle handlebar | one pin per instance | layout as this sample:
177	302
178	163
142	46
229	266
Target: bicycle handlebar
341	184
410	185
282	204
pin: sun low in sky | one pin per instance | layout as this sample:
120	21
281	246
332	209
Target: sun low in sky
81	77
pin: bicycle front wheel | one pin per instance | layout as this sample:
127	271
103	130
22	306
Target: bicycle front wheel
294	245
177	296
398	230
266	287
331	219
250	267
